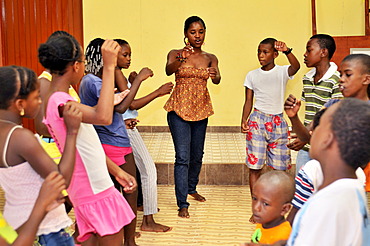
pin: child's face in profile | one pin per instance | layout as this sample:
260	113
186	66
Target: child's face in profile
124	57
267	205
353	78
33	103
266	54
321	133
312	56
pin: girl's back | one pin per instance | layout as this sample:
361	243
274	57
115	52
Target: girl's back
90	175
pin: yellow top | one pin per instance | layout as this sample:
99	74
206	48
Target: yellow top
6	231
72	91
271	235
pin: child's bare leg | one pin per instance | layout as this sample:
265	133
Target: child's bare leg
129	235
253	176
150	225
112	240
92	241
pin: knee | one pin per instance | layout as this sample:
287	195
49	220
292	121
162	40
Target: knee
182	156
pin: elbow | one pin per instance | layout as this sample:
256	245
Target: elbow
168	72
134	106
105	120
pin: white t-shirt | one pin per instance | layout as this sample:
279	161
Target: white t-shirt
335	215
269	88
310	178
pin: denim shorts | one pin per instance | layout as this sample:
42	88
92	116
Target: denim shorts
60	238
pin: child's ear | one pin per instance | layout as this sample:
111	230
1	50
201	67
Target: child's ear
367	79
328	140
20	104
286	208
76	66
324	53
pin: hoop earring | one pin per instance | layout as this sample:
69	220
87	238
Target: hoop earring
22	112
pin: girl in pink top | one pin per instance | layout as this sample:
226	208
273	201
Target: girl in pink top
101	212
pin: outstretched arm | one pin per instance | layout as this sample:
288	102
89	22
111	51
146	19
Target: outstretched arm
125	104
294	63
161	91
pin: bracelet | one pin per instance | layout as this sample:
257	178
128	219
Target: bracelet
288	51
180	58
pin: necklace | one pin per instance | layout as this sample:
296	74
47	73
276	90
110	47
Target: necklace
8	121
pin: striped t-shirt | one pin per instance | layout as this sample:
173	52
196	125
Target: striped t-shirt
316	95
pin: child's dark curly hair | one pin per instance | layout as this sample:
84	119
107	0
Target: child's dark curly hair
351	127
58	52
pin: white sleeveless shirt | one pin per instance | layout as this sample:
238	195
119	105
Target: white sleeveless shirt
22	185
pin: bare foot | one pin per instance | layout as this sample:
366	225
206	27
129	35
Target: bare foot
184	213
198	197
251	219
150	225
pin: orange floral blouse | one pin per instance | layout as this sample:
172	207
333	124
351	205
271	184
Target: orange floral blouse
190	98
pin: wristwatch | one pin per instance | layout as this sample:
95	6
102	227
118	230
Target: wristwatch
287	52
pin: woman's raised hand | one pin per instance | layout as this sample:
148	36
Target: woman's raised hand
187	51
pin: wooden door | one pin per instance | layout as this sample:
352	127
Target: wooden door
25	24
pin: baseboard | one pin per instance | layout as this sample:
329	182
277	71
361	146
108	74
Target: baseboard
209	128
213	174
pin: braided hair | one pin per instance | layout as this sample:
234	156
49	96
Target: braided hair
58	52
28	81
94	56
9	78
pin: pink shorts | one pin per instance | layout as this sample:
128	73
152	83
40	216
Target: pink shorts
117	154
106	214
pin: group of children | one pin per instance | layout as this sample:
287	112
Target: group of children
99	153
96	164
332	172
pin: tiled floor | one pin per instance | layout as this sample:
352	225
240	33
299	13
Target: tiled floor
225	148
221	220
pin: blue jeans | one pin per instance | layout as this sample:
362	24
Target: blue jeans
60	238
302	158
188	138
